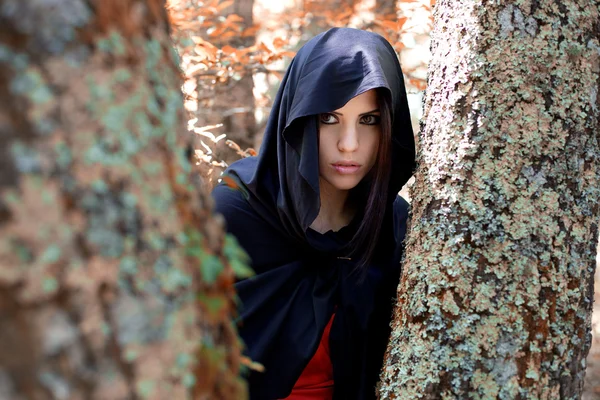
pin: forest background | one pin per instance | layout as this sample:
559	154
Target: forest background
234	54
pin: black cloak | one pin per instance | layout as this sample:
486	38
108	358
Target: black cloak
302	275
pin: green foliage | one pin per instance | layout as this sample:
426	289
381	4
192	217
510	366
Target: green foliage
238	258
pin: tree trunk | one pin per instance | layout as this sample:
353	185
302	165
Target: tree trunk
234	101
115	281
326	15
496	293
385	9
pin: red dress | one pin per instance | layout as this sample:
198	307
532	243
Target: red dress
316	381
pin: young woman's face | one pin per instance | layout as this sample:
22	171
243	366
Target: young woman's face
348	141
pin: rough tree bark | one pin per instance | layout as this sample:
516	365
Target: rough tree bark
496	293
115	281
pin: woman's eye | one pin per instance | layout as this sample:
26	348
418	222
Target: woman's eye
328	119
371	119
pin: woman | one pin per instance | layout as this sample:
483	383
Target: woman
318	213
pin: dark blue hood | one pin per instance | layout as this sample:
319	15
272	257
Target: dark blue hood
328	71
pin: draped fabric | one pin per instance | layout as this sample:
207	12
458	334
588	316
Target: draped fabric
316	381
302	275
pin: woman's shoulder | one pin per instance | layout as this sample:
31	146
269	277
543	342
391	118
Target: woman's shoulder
229	195
265	245
401	206
401	212
401	209
231	202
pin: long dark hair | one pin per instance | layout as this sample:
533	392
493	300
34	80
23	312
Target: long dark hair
372	193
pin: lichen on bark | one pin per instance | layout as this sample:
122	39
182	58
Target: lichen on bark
496	292
105	230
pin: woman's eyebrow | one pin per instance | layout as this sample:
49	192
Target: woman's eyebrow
360	115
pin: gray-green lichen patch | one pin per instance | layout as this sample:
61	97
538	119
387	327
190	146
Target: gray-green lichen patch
50	26
495	296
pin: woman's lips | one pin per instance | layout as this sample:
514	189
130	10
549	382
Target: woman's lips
346	168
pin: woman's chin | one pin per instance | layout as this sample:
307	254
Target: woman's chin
347	183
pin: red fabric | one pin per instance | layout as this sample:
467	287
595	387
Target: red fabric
316	381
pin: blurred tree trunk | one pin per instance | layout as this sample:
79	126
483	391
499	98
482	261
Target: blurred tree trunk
497	288
385	9
326	15
234	100
115	281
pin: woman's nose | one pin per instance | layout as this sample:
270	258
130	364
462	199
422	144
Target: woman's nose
348	141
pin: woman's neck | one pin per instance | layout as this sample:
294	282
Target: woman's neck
336	209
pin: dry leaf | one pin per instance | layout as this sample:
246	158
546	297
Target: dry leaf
224	5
